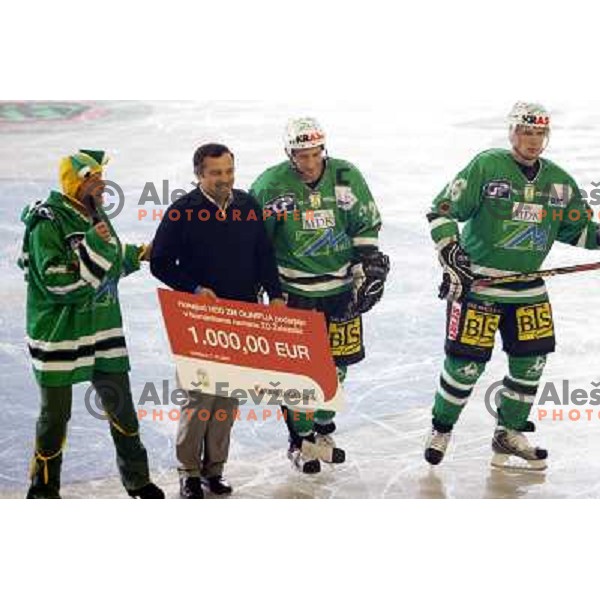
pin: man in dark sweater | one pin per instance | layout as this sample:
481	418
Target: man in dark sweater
212	242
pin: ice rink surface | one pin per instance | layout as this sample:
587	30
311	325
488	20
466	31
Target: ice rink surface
406	158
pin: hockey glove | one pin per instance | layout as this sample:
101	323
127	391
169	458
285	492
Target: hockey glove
458	277
369	278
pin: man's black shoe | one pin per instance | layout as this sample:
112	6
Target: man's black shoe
218	485
190	488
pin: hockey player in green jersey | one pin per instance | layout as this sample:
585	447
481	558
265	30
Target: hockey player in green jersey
515	205
73	261
324	225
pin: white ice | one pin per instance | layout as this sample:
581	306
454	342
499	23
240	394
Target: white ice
406	158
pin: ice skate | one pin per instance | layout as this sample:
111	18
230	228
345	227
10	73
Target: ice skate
436	446
304	458
328	451
512	450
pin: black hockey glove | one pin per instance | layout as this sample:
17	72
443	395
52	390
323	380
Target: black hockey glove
369	274
458	277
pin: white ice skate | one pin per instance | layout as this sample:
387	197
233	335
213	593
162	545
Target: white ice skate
304	459
327	450
513	451
436	446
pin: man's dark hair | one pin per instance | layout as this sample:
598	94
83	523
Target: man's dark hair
210	150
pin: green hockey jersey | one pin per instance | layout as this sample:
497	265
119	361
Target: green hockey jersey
511	222
317	231
74	323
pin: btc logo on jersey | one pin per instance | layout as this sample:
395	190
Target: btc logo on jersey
534	322
479	328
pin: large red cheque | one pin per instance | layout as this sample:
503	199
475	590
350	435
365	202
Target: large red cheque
227	348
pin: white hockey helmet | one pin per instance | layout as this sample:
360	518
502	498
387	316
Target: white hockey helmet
303	133
528	114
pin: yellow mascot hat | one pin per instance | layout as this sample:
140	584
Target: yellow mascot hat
73	169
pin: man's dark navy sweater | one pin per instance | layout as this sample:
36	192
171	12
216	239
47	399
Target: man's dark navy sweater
229	252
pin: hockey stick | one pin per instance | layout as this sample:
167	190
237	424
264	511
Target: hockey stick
488	281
